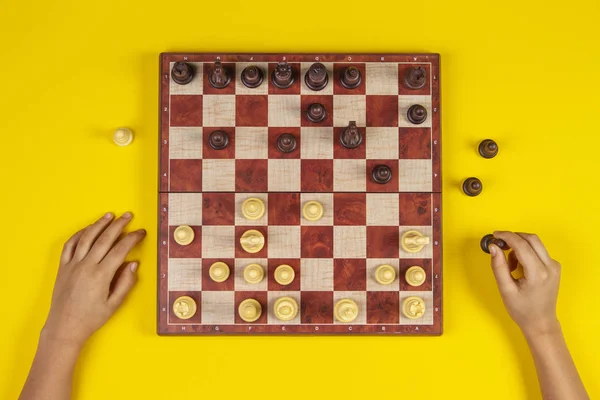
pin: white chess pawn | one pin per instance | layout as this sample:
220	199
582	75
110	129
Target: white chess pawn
123	136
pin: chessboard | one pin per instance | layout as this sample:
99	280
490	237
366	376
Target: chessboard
299	193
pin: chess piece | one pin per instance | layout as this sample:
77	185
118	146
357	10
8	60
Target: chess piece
252	241
316	77
351	77
385	274
184	307
219	271
282	76
183	235
488	148
252	76
415	276
345	310
182	73
123	137
472	186
413	307
413	241
286	142
351	137
284	274
250	310
316	113
490	239
253	208
218	77
218	140
415	78
254	273
381	174
417	114
312	210
285	308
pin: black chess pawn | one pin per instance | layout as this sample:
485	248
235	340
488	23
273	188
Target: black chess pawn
415	78
182	73
488	148
282	76
218	76
316	77
252	76
316	112
416	114
286	143
490	239
381	174
351	137
351	77
218	140
472	186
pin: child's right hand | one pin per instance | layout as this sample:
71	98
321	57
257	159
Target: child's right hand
531	300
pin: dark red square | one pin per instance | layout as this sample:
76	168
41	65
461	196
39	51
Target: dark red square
227	152
229	89
192	250
415	209
218	208
405	264
185	175
349	209
391	186
208	283
383	307
261	297
274	152
350	274
241	253
383	242
186	110
293	89
326	101
251	110
316	175
251	175
317	241
415	143
402	89
284	208
382	111
316	307
338	88
340	151
292	262
196	319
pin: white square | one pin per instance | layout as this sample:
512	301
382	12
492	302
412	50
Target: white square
382	78
185	274
328	90
272	297
284	110
360	298
239	217
405	102
427	318
349	175
218	175
185	143
218	241
414	176
240	88
194	87
383	209
316	143
350	108
218	307
252	143
372	284
284	175
240	282
218	110
427	250
317	274
382	143
185	209
349	241
284	241
326	199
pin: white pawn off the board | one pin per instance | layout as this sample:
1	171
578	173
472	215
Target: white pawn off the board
123	137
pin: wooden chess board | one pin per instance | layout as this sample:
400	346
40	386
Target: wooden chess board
334	257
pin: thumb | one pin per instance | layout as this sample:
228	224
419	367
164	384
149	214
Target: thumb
501	269
123	284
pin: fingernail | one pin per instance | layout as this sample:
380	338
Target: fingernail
493	250
108	215
142	231
127	215
133	267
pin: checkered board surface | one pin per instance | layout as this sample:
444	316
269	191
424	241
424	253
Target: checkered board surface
334	257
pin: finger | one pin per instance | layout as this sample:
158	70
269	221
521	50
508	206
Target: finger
116	256
122	285
501	270
537	245
89	236
532	265
107	239
69	247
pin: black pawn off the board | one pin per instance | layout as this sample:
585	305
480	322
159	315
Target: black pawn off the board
252	76
490	239
182	73
488	148
416	114
472	186
282	76
218	140
316	112
351	77
218	77
316	78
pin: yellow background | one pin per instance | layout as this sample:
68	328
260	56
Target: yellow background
525	73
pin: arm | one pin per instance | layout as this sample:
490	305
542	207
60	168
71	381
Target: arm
91	283
531	303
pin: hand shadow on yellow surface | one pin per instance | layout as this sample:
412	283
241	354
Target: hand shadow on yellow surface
481	281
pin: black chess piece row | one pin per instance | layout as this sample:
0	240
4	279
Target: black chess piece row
472	186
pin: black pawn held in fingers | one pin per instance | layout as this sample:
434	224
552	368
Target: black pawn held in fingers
472	186
490	239
488	148
182	73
